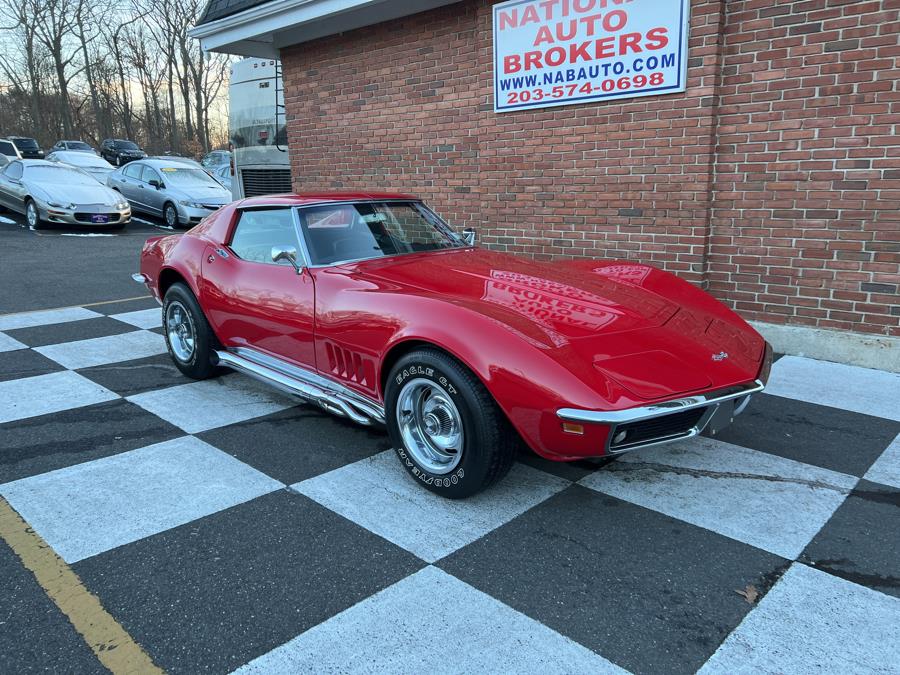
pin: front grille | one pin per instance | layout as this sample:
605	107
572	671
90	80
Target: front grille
655	429
212	207
265	181
86	217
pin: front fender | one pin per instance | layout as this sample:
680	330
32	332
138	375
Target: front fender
528	380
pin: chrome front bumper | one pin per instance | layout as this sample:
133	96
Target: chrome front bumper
81	215
723	405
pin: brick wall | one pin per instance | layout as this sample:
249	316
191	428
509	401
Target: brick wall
806	217
776	190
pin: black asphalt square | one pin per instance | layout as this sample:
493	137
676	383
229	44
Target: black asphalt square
128	378
834	439
70	331
39	444
123	306
35	636
21	363
858	543
298	443
212	594
646	591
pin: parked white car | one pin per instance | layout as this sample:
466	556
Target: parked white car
55	193
95	166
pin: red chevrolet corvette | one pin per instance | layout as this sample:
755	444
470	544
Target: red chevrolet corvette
373	308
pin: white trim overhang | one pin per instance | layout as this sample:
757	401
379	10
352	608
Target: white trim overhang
266	29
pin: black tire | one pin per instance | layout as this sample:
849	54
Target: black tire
489	442
37	224
165	214
200	364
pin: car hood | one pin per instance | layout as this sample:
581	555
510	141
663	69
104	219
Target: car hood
75	194
651	333
206	195
564	301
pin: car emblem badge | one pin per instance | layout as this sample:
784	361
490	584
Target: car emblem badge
721	356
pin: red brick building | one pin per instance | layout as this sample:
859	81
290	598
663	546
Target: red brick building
773	180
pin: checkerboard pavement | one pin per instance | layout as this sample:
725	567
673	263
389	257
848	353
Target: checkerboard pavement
228	528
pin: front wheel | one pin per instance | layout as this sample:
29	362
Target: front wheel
447	430
170	214
32	215
189	339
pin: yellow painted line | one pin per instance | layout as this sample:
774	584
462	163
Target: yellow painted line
87	304
111	644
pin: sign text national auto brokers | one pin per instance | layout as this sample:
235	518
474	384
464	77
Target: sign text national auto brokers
559	52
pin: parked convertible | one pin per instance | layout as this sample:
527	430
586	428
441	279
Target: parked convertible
54	193
375	309
178	192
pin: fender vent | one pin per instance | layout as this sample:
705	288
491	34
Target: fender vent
348	365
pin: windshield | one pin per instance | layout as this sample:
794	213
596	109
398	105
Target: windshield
58	174
342	232
7	148
187	177
26	144
78	145
126	145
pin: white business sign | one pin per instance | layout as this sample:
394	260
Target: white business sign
560	52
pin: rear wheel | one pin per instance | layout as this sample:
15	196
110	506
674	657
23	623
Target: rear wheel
447	430
189	339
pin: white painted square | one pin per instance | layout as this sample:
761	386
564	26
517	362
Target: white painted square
7	344
199	406
430	622
103	350
886	469
862	390
90	508
43	394
379	495
45	317
143	318
770	502
813	622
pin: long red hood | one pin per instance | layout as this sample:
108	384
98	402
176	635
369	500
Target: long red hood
650	332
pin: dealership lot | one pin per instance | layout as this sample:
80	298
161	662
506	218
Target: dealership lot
223	526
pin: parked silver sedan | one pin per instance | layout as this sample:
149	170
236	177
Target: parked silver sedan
180	193
54	193
87	162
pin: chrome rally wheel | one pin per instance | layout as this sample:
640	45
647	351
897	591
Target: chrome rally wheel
181	331
447	430
431	426
32	215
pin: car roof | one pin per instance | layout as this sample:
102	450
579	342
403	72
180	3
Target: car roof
307	198
158	163
20	138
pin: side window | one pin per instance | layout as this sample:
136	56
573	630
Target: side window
14	170
133	171
149	174
258	231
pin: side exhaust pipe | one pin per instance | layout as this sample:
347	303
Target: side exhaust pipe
330	396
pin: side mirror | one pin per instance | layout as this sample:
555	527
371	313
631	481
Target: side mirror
155	183
469	235
288	253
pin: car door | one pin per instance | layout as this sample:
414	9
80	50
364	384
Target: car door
131	185
153	198
253	302
11	188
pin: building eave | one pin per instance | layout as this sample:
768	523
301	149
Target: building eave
266	29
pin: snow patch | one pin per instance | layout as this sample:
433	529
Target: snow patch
7	221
